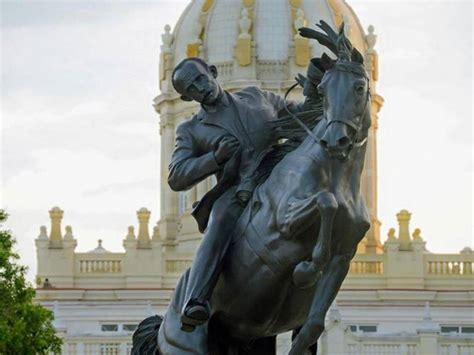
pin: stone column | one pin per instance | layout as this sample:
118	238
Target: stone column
369	175
168	200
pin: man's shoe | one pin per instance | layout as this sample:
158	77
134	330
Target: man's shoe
194	314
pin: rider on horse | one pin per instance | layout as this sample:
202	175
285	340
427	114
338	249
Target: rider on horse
228	137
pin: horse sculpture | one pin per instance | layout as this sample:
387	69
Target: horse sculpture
295	240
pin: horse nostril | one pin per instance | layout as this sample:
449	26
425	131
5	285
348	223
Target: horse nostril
343	142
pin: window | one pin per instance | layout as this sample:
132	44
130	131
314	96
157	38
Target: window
109	327
361	328
129	327
448	329
467	330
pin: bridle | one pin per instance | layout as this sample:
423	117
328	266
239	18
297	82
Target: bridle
350	123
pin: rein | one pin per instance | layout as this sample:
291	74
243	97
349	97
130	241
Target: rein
301	123
310	132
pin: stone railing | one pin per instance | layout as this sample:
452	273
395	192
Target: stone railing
177	266
88	263
448	345
368	264
97	345
382	348
272	70
449	264
225	70
400	344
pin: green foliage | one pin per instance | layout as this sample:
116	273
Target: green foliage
25	327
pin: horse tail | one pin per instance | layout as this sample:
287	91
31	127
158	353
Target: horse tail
145	337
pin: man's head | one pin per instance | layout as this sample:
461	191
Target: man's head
195	80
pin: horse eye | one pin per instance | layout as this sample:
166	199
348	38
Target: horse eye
359	89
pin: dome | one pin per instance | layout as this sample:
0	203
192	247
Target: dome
259	36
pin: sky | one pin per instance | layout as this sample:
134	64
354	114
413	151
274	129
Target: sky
78	129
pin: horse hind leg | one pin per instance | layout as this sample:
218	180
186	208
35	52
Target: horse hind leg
307	273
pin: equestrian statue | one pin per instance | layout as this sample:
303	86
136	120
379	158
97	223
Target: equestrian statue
286	215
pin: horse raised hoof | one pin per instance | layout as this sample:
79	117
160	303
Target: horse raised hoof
306	274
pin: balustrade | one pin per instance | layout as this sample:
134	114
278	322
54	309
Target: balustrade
100	266
455	264
107	347
177	266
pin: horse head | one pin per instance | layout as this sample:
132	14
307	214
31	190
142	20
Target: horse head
342	85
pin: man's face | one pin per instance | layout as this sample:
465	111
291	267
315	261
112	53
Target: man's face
195	82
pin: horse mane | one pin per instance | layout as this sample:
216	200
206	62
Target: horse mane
290	133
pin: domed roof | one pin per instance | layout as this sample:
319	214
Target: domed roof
212	30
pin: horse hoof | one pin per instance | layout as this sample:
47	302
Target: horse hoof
305	275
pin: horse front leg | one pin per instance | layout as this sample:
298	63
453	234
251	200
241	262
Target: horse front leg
328	286
307	273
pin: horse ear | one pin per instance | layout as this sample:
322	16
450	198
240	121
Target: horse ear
326	62
356	56
301	79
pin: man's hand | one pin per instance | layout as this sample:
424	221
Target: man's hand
226	148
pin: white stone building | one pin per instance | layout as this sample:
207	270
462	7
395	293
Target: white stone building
398	298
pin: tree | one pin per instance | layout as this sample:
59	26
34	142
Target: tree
25	327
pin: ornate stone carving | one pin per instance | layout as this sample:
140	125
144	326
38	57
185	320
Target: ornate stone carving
245	23
243	49
302	46
372	57
194	47
166	52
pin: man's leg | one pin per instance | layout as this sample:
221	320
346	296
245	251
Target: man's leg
208	260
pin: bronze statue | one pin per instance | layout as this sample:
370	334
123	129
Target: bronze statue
282	263
225	138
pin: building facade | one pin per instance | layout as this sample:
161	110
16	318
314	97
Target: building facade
398	298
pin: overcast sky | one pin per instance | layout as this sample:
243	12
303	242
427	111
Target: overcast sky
79	130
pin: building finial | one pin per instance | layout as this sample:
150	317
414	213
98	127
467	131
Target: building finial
156	233
56	215
391	234
245	23
167	39
404	239
131	233
68	235
43	233
143	234
372	59
371	39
